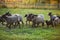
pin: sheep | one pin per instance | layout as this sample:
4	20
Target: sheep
12	19
2	19
19	18
52	18
38	19
29	17
48	23
57	21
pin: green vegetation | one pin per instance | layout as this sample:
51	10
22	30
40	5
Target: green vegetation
26	32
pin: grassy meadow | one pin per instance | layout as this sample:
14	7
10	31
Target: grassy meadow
27	32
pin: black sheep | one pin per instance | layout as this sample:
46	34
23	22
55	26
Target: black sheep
48	23
29	17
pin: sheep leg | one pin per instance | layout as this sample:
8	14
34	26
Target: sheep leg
19	24
2	23
9	26
47	26
26	22
55	24
37	24
15	24
29	22
22	22
43	24
33	25
52	24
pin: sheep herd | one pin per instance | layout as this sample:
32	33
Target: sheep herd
14	20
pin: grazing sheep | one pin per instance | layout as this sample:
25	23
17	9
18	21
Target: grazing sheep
37	20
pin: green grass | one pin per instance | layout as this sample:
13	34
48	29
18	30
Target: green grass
26	32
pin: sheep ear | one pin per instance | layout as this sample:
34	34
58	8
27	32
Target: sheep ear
25	15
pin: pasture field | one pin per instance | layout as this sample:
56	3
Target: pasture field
27	32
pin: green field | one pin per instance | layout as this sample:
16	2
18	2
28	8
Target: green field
27	32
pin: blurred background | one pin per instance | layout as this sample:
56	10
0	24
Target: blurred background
47	4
